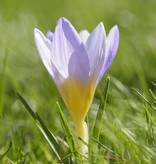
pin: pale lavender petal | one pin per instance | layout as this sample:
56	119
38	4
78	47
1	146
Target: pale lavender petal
84	34
69	49
43	46
96	47
79	67
49	35
111	49
58	78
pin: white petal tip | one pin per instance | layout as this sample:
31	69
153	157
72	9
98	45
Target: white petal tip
101	25
36	30
115	28
84	34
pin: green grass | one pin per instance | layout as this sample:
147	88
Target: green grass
127	132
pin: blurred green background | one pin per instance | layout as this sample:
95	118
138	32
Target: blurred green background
134	64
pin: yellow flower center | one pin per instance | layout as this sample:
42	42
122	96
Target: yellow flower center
77	97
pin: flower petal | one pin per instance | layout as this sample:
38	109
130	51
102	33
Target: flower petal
68	51
95	47
84	34
49	35
78	66
111	49
43	46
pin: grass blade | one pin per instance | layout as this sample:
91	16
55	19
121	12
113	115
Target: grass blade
27	106
154	84
2	83
105	147
96	129
78	137
144	99
56	147
50	137
69	136
6	151
152	94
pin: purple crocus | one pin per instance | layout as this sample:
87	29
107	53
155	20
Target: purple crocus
76	63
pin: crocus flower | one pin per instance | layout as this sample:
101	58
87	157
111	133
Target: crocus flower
76	63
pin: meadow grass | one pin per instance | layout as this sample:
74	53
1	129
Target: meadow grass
127	132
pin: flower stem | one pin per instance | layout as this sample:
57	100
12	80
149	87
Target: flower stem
82	131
